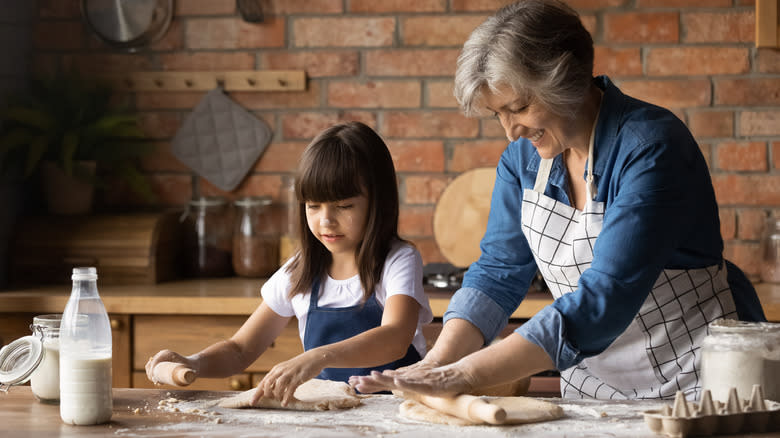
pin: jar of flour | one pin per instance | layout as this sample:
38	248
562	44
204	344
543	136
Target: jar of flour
740	354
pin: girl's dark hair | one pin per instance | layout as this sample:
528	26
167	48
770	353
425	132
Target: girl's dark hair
343	161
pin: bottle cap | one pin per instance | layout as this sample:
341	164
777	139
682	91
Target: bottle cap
84	274
18	360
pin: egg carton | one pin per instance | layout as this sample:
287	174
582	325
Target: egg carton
709	417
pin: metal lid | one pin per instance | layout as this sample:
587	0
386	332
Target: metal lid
253	201
18	360
208	201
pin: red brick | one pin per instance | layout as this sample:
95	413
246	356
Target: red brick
280	157
695	61
596	4
305	7
255	185
617	62
439	94
307	125
683	3
374	94
309	98
170	190
759	123
417	155
711	123
159	125
352	32
316	64
162	160
172	40
208	61
59	35
491	128
748	92
641	27
776	155
438	30
428	124
728	223
750	223
232	33
478	5
106	63
670	93
373	6
428	249
473	154
417	62
746	255
748	189
706	151
726	27
742	155
424	189
205	7
59	9
415	220
768	60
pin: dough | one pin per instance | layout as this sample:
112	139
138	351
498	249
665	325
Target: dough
312	395
519	410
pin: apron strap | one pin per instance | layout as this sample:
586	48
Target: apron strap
543	174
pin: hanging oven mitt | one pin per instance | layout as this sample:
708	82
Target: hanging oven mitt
220	140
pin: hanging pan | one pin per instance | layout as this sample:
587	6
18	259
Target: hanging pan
127	24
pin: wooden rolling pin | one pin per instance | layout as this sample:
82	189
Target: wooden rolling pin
464	406
172	373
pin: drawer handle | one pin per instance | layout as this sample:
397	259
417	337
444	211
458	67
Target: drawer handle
236	384
116	324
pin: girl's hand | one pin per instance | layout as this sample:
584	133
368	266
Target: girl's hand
284	378
169	356
444	381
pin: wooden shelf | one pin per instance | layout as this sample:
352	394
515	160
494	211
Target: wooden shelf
239	80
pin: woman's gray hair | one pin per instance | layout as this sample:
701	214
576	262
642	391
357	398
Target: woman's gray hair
539	48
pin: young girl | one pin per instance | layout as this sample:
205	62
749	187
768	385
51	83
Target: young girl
355	286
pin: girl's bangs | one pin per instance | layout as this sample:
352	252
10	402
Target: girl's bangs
332	174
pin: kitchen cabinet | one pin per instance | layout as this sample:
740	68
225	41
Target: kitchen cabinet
188	315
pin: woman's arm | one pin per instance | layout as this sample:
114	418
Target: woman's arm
380	345
228	357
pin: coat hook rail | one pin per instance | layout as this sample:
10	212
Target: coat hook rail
245	80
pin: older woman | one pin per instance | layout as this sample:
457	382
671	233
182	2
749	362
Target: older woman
611	199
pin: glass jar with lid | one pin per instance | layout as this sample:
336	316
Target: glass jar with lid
207	237
741	354
255	238
288	237
35	358
770	251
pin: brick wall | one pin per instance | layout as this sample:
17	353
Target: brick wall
390	63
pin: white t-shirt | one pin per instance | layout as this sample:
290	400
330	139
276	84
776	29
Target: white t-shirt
401	275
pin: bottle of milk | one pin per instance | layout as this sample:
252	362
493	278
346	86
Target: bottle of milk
85	354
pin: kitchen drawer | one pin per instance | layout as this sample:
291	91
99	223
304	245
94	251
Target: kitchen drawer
189	334
239	382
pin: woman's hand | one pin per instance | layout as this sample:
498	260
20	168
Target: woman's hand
284	378
169	356
424	378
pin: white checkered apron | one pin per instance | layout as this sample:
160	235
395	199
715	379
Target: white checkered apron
658	354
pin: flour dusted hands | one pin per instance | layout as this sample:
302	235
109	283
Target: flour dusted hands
284	378
171	368
442	381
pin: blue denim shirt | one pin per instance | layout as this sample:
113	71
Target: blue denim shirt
660	212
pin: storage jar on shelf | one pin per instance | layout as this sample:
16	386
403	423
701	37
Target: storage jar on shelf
207	238
255	238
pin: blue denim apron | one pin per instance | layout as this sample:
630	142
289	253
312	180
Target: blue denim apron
326	325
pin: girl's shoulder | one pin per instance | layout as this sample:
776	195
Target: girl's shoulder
403	252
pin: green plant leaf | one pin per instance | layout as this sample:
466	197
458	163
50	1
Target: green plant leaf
70	142
38	147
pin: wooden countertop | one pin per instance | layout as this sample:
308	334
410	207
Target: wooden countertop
240	296
138	413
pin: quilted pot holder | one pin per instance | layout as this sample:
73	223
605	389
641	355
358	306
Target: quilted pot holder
220	140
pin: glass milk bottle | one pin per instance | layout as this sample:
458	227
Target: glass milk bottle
85	354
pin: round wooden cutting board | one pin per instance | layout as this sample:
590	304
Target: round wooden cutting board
461	215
